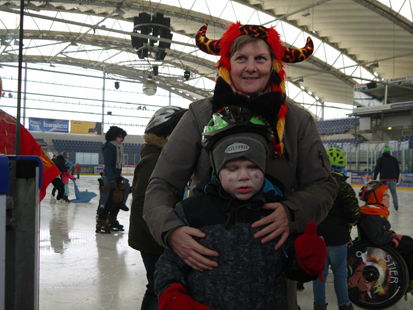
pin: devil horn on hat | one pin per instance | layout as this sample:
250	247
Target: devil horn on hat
299	54
290	55
206	45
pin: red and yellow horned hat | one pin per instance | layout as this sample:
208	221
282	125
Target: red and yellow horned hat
222	47
283	54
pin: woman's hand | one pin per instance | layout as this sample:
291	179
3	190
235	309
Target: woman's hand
193	254
397	236
396	243
277	222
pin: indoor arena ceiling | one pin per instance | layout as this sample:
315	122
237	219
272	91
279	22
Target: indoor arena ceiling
356	41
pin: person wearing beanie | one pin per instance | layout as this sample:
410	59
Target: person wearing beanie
113	159
157	134
375	226
250	275
389	169
335	230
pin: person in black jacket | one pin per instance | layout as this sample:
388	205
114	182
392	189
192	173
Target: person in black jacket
113	159
389	170
57	182
157	134
335	229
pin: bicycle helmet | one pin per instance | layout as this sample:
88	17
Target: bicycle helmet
164	120
233	119
369	188
337	159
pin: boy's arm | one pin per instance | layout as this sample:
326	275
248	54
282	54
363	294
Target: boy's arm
375	230
350	204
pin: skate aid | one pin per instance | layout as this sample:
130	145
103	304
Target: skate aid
311	251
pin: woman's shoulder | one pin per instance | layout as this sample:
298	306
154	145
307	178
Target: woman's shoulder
296	111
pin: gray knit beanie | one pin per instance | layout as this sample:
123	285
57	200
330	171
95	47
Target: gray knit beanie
252	146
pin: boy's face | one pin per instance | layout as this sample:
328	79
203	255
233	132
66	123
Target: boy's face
241	178
386	199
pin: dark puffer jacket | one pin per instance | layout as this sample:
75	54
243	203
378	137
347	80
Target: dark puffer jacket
250	274
388	167
335	229
139	236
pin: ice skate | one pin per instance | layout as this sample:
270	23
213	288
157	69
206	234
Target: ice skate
103	227
52	199
114	223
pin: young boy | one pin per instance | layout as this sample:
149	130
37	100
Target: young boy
250	275
375	225
335	230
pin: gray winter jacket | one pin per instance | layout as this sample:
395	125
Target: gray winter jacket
306	165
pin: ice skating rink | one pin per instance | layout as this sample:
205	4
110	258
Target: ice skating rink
83	270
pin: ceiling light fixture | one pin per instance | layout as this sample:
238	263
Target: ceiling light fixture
306	14
149	88
119	11
374	65
49	6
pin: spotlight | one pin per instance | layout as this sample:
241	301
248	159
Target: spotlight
109	112
374	65
10	95
187	75
117	84
371	85
149	88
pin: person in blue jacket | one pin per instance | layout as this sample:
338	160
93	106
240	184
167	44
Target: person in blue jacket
113	159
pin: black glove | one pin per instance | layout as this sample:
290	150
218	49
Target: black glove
113	184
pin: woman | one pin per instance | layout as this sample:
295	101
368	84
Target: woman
113	159
251	74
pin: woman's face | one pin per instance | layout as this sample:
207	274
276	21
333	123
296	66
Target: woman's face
251	68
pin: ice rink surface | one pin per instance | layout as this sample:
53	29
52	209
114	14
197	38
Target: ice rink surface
83	270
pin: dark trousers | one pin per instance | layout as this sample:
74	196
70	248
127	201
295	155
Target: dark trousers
405	249
60	187
150	301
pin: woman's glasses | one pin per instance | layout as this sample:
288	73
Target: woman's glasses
120	136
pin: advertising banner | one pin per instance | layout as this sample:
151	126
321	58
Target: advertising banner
362	177
48	125
91	128
406	180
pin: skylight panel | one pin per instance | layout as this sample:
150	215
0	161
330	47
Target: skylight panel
292	90
242	13
254	19
266	18
216	7
289	32
320	52
349	65
198	6
228	13
331	54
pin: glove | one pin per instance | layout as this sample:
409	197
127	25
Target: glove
311	251
176	298
113	184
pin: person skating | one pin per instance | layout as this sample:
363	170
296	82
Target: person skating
389	169
335	230
113	159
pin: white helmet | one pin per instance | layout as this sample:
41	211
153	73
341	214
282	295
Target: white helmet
164	120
